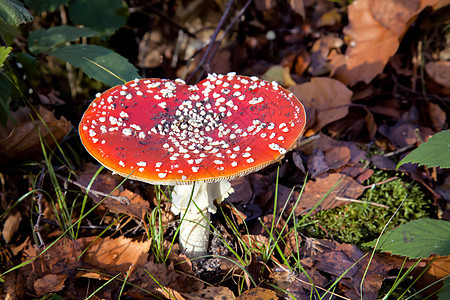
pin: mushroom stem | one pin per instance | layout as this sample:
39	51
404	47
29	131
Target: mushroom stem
194	232
194	228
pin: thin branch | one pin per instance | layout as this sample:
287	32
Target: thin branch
212	40
122	199
360	201
38	199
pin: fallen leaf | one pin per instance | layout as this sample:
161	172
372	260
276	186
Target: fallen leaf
169	293
321	154
293	241
358	125
439	72
120	201
20	140
353	262
317	164
61	257
103	183
162	275
135	206
337	157
117	255
436	117
11	225
374	31
258	293
49	284
338	185
319	54
256	242
360	174
211	293
326	99
298	6
438	269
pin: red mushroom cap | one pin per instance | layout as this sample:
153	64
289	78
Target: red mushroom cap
166	132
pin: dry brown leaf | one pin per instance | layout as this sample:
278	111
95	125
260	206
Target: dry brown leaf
136	207
211	293
162	275
259	241
374	30
293	241
337	157
340	186
20	140
49	284
324	257
439	72
439	269
180	260
61	257
258	293
169	293
321	152
124	201
360	174
358	125
298	7
319	54
326	100
11	225
103	183
436	117
117	255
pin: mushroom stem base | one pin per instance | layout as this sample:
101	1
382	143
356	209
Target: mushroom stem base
194	232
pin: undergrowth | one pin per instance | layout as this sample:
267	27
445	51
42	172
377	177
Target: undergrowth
357	223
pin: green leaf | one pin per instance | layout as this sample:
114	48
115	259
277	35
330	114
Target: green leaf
12	12
445	291
40	6
5	98
43	40
416	239
98	62
105	16
29	65
434	153
8	32
4	52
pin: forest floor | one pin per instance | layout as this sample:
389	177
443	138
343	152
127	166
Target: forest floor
374	78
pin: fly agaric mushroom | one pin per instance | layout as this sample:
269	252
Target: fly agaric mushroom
196	137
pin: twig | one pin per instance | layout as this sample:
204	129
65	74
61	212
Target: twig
212	40
235	19
381	182
121	199
89	226
38	199
360	201
398	151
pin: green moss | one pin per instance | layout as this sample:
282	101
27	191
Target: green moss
357	223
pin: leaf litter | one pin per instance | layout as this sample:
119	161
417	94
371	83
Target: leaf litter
362	92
